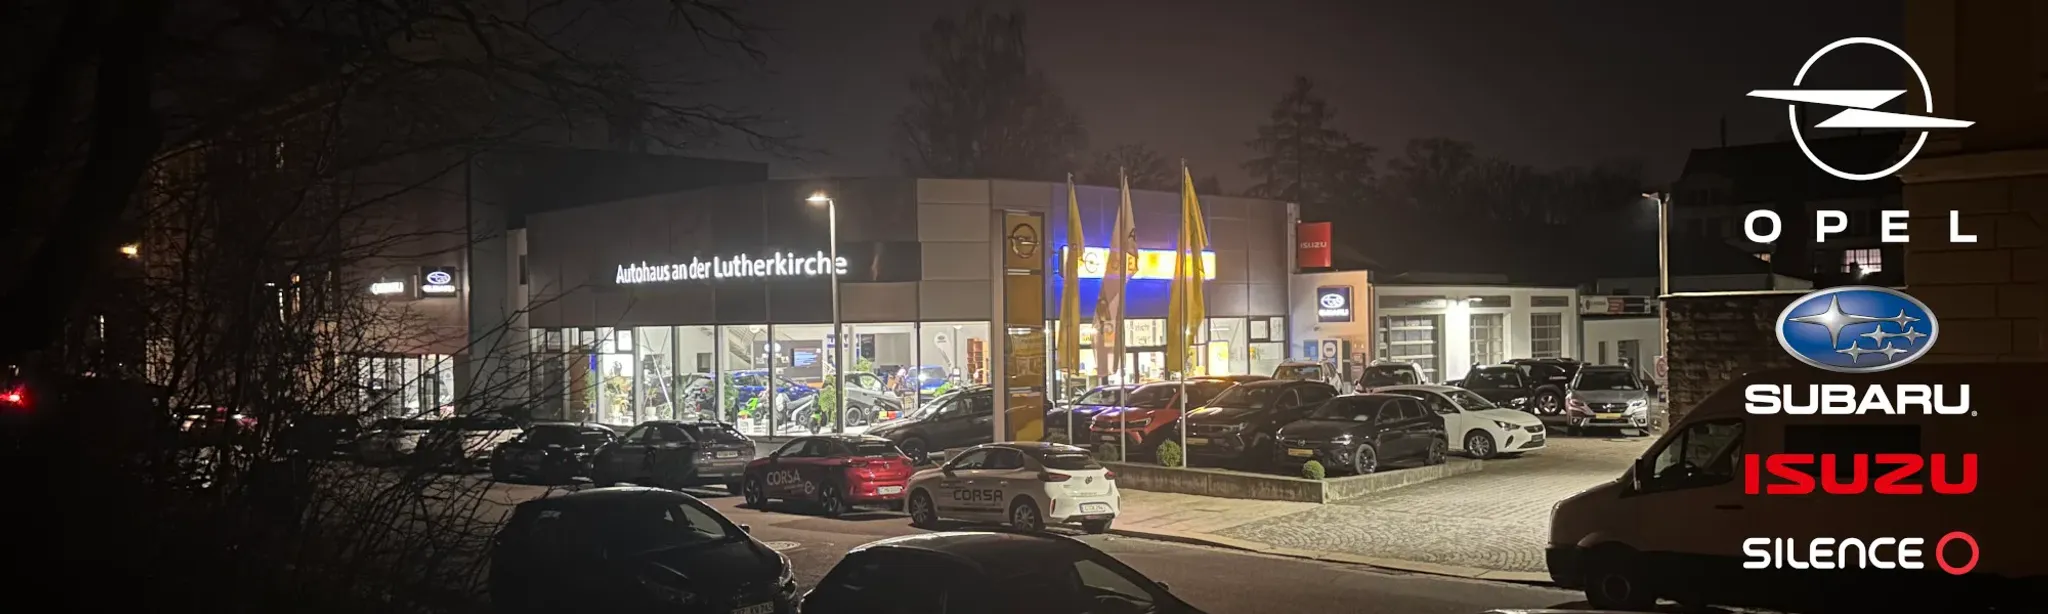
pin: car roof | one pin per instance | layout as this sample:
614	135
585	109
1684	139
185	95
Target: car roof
608	496
1190	381
1379	395
1437	388
687	422
1606	368
848	438
1277	383
996	553
579	425
1033	446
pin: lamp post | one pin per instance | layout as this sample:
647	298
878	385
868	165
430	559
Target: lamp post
1663	202
838	336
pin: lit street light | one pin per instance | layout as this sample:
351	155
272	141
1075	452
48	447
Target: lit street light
838	336
131	250
1663	202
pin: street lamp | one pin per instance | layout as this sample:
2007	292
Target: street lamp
1663	202
838	336
131	250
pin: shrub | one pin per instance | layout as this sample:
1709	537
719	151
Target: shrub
1313	470
1170	454
1109	452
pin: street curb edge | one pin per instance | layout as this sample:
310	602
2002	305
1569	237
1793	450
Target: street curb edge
1473	573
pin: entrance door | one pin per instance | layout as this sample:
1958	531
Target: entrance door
1146	365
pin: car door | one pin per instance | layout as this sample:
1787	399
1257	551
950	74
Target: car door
1311	395
1010	475
1456	422
1391	430
967	421
961	491
626	459
782	477
669	454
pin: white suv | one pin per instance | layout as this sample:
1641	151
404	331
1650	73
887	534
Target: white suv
1027	485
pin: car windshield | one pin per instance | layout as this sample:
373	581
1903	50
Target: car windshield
1344	409
1156	396
713	433
1248	397
649	527
1492	378
931	407
876	448
1387	376
566	436
1607	379
1103	396
1306	372
1470	402
1066	460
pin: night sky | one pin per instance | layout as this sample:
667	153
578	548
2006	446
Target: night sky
1542	83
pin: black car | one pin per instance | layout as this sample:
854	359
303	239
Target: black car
1502	384
1360	433
986	573
321	436
1547	379
675	454
953	420
553	452
633	550
1237	426
1082	410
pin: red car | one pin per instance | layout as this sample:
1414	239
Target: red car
1142	423
836	472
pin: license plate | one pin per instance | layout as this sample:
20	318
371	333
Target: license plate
1536	439
530	456
1095	508
1301	452
1109	439
758	608
1608	416
1198	441
728	454
889	490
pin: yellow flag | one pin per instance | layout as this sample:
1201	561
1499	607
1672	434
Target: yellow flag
1186	306
1070	287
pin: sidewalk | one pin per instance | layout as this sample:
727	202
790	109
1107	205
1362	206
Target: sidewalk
1490	525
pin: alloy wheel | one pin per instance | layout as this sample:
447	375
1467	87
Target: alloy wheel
921	512
1024	515
1480	445
1365	460
1438	451
751	491
833	502
1546	404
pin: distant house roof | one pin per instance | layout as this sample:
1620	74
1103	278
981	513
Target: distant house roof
1764	172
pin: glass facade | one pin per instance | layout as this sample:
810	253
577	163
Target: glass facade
406	386
1229	346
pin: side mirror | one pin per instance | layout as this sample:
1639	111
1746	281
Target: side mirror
946	472
1636	471
746	528
1164	586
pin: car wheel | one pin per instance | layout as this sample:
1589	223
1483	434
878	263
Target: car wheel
1480	445
1614	581
499	473
1095	527
832	501
1365	460
913	449
1548	402
1024	515
922	513
751	490
734	487
1439	450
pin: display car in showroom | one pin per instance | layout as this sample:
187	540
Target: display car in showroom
1237	427
1362	433
552	452
1024	485
1476	426
957	419
674	454
1607	396
974	572
866	403
834	472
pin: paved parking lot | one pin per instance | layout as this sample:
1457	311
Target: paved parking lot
1494	519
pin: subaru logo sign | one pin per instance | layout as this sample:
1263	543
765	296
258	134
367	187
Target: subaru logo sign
1857	329
440	278
1333	304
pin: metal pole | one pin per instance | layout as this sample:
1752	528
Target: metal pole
1663	288
838	336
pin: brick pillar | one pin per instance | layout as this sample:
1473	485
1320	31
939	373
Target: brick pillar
1991	296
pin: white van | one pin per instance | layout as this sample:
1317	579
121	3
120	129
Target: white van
1674	526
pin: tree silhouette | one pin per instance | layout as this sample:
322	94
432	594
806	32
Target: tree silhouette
982	110
1304	159
1146	169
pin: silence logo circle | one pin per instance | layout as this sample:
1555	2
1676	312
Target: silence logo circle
1857	329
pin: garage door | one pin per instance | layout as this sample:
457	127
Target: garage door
1416	339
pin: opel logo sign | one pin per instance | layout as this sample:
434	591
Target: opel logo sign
1024	241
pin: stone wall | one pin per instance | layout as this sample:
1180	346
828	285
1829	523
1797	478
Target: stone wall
1717	337
1991	295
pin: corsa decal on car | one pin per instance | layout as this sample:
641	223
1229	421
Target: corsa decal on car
978	495
789	477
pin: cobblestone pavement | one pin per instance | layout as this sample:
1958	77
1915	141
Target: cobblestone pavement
1494	519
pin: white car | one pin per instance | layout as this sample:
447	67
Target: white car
391	440
1475	425
1026	485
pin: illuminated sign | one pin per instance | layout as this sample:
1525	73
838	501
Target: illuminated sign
437	281
387	288
733	267
1333	304
1152	263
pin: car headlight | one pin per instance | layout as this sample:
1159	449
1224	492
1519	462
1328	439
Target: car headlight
666	592
1232	428
787	579
1639	404
1504	425
1518	401
1345	438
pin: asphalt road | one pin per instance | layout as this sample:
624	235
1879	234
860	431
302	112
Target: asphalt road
1217	580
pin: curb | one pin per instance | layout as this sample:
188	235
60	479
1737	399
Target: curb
1203	539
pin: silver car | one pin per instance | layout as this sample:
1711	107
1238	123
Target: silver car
1607	396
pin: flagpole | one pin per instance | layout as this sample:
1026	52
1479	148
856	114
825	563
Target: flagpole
1116	259
1182	265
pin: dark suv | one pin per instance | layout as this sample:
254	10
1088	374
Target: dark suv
1502	384
1360	433
1547	379
1237	426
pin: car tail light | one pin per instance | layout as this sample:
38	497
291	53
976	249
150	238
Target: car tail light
1109	475
14	397
1054	477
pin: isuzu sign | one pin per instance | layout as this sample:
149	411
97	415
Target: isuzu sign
733	267
1312	245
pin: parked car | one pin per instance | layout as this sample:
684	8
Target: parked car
1547	379
553	452
633	550
1082	410
1237	427
1304	370
957	419
1361	433
835	472
978	572
675	454
866	403
1390	373
1152	413
1503	384
208	425
1476	426
464	442
1027	485
391	440
321	436
1607	396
